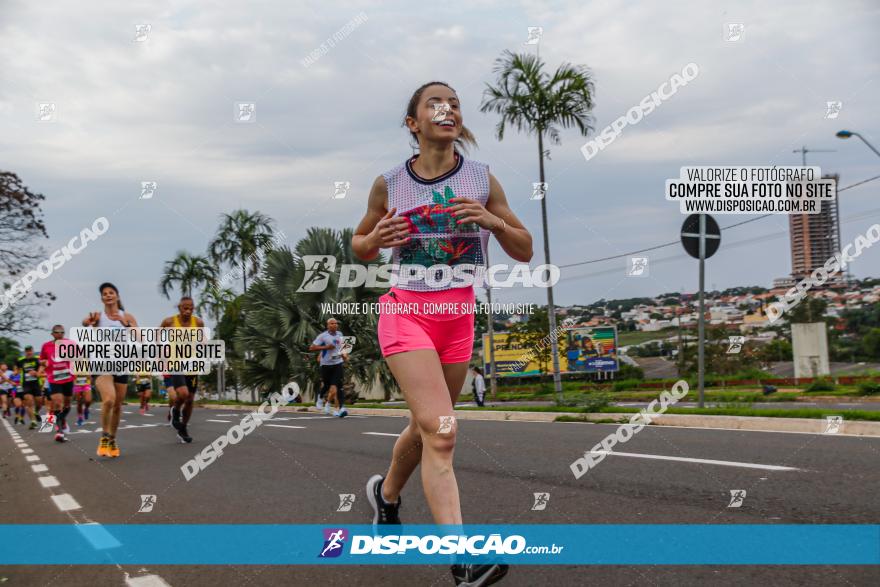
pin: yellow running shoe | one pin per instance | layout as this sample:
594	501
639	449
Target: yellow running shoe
113	450
104	447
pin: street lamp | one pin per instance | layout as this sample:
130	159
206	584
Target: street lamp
845	134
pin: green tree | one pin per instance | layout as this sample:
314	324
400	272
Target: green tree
9	350
241	241
187	272
808	310
282	322
21	230
214	301
532	100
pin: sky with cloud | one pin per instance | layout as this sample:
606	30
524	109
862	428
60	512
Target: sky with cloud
163	110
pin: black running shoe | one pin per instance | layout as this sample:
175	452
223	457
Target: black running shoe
182	434
383	513
175	418
478	575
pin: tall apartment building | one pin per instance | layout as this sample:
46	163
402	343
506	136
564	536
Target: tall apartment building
814	237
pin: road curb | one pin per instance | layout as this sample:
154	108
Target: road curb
753	423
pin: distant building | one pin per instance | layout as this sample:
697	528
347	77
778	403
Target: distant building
814	237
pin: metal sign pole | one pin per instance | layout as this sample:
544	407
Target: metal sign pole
702	322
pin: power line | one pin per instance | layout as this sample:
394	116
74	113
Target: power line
671	243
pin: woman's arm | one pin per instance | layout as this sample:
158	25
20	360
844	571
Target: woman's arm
497	217
379	229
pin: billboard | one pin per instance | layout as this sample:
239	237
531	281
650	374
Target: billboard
592	350
516	360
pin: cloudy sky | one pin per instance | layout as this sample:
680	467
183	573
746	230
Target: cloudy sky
162	110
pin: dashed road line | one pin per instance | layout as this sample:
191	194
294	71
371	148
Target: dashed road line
693	460
380	434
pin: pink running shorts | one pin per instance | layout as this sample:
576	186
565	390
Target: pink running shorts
437	320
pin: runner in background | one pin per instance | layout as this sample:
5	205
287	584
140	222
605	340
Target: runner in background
185	386
169	392
82	389
144	390
31	371
17	398
6	387
60	377
329	343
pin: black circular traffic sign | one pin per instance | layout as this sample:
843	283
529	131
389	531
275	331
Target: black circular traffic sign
690	235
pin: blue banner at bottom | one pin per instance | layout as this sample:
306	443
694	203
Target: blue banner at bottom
604	544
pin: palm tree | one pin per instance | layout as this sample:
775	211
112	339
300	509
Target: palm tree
214	301
188	271
241	240
283	322
531	100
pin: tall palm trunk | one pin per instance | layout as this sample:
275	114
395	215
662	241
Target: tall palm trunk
551	308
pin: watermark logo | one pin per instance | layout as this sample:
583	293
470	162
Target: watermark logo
440	111
331	41
735	344
148	502
291	391
820	275
334	541
56	260
637	267
737	497
541	501
346	501
47	112
340	189
142	33
539	190
833	108
446	424
645	107
734	31
148	189
535	34
47	424
626	431
317	273
833	424
347	345
245	112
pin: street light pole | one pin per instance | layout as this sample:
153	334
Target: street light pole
845	134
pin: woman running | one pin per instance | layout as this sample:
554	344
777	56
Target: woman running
435	210
82	389
112	388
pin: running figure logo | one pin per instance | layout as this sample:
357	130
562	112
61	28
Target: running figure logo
142	32
334	541
317	274
737	496
637	267
48	423
541	500
340	189
833	424
148	189
245	112
539	190
535	34
736	344
347	344
346	500
833	108
147	503
446	423
46	111
734	32
440	111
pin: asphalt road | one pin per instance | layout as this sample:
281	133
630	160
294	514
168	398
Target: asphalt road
293	472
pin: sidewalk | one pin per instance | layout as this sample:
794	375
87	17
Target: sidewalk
764	424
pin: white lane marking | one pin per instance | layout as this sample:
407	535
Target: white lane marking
27	451
65	502
145	581
220	421
693	460
32	458
41	468
49	481
22	445
150	415
380	434
283	426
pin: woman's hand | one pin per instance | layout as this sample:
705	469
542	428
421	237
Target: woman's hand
390	232
467	210
92	319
